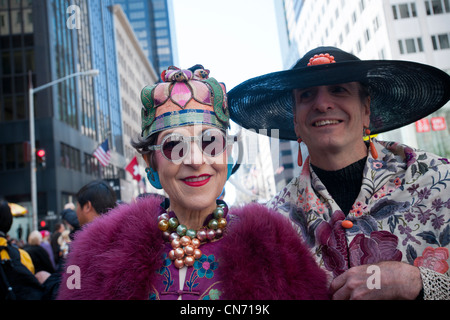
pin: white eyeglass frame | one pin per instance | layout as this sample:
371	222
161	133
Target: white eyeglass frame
229	140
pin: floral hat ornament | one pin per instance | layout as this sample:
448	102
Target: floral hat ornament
184	97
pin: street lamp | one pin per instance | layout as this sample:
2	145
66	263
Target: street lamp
31	92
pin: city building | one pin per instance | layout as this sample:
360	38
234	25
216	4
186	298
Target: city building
255	180
375	29
135	72
152	23
43	41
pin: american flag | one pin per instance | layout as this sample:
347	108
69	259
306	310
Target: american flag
103	154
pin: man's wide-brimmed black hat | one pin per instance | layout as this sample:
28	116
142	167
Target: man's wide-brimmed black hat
402	92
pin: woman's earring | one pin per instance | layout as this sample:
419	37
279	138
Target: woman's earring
153	177
373	150
299	157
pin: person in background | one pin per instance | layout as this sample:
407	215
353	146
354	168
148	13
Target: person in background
39	256
362	206
59	228
189	246
93	200
17	280
47	246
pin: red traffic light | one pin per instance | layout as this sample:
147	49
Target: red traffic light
41	153
43	223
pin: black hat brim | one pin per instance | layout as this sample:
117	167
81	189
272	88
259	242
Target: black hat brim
402	92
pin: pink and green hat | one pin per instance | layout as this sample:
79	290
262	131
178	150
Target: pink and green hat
183	98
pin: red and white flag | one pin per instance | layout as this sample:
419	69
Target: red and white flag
103	154
133	168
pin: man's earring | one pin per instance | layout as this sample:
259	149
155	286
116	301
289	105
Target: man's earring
153	177
373	150
299	157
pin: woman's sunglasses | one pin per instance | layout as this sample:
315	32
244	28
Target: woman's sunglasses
175	146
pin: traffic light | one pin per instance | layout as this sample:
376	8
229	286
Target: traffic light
40	157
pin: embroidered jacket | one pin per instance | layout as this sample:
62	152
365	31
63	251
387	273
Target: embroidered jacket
402	212
122	255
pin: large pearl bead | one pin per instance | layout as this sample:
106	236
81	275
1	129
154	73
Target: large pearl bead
172	254
163	225
181	230
210	234
175	243
196	243
173	223
174	236
213	224
179	253
191	233
166	235
185	241
179	263
197	253
189	261
189	250
164	216
219	233
222	222
218	213
201	235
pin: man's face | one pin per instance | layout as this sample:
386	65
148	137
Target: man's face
331	118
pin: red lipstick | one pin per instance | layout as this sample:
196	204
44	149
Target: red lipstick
197	181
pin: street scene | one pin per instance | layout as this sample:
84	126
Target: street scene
164	122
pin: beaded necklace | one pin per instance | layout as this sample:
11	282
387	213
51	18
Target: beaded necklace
186	242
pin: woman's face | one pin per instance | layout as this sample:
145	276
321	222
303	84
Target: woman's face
195	182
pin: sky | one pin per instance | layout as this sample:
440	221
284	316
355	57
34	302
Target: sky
235	39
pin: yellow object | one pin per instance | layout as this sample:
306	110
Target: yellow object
17	210
24	256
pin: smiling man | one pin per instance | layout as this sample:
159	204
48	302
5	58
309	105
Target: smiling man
360	205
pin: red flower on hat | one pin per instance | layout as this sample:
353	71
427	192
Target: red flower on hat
434	259
323	58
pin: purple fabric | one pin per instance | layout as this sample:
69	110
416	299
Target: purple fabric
260	257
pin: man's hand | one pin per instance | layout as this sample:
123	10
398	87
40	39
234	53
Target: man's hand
398	280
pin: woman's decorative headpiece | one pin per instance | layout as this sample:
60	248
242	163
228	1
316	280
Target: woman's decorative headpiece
184	97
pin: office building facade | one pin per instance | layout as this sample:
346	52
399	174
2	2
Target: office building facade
53	39
151	21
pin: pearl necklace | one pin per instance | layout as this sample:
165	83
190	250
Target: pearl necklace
186	242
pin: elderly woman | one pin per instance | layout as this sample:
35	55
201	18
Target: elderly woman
190	246
372	211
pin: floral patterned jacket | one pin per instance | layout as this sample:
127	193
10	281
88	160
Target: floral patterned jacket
402	212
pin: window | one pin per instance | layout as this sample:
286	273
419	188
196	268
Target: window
92	165
412	45
367	35
376	24
440	41
404	11
358	46
70	157
12	156
437	6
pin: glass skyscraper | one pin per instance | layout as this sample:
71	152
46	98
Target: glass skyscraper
150	20
73	117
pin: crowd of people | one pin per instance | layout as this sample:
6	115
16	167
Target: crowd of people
359	204
45	252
